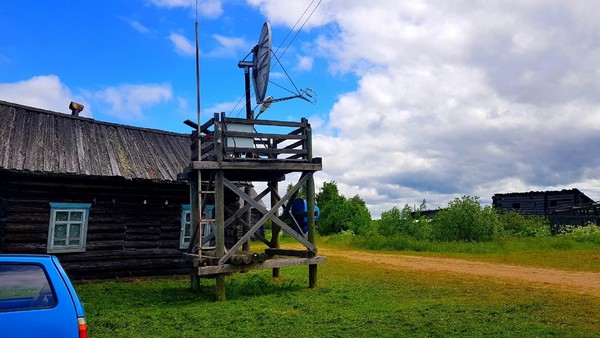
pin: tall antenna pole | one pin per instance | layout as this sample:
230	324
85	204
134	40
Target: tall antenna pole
198	78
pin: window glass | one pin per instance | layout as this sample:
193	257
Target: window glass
185	233
24	287
62	216
60	231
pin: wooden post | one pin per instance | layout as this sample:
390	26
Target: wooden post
194	225
274	228
219	213
310	203
220	232
248	218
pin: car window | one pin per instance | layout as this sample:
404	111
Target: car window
24	287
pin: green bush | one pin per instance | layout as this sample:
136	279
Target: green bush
516	224
403	222
586	233
465	220
389	224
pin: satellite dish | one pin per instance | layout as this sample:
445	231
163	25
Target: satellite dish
261	67
261	63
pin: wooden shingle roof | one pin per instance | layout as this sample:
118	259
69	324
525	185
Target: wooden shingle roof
37	140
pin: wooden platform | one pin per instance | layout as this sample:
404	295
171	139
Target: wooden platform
275	262
230	151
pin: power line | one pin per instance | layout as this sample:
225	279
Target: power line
303	24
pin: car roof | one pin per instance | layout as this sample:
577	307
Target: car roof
24	258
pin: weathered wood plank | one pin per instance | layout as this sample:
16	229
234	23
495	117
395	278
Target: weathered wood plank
250	165
289	252
264	122
281	137
268	264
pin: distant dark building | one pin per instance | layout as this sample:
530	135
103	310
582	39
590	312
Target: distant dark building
540	202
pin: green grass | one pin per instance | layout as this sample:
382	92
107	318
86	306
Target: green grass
560	252
352	300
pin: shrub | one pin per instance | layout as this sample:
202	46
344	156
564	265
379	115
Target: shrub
389	224
586	233
516	224
465	220
419	228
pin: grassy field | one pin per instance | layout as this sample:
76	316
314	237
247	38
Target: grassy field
351	300
559	252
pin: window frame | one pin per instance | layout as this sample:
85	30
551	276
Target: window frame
55	207
207	227
185	209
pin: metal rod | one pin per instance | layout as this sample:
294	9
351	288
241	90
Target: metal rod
249	113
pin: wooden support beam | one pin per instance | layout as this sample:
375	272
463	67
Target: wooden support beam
249	164
220	270
237	215
273	186
289	252
219	216
310	202
267	215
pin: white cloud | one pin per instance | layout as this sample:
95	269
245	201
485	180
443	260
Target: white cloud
44	91
139	27
305	63
229	46
226	107
207	8
127	102
289	12
182	45
458	98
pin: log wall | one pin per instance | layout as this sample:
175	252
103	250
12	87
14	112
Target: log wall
539	202
126	237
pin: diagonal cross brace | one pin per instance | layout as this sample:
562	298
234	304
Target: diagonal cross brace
286	210
236	215
267	215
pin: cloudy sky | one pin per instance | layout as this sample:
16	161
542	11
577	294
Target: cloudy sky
416	99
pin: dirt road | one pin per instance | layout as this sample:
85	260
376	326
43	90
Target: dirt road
582	282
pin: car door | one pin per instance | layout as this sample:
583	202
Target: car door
34	301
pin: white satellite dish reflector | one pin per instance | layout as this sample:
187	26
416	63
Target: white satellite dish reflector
261	63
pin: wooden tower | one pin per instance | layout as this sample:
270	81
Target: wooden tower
228	156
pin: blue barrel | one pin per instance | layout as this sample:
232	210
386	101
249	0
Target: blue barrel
299	212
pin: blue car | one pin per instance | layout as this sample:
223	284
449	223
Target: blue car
37	299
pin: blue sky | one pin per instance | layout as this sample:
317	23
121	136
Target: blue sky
106	52
427	99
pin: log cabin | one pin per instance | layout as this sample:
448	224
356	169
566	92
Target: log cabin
103	197
540	203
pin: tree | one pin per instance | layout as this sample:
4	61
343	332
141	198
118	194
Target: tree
301	192
389	223
339	213
466	220
358	214
328	193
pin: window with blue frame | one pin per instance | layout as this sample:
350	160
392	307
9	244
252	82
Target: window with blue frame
186	227
68	227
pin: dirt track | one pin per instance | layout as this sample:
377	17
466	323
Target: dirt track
582	282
